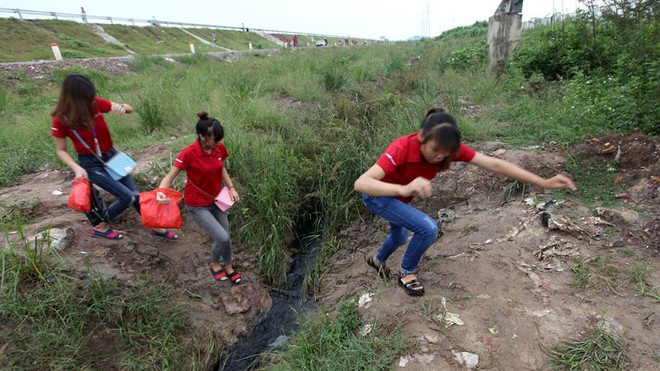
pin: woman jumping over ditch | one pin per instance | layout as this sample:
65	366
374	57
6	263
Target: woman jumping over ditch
405	170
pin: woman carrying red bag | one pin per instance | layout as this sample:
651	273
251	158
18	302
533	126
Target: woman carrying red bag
79	117
203	162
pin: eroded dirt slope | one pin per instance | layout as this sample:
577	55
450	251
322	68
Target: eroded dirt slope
508	277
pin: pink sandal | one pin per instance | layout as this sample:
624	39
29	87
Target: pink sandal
170	235
110	234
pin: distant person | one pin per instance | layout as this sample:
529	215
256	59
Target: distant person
79	117
325	41
154	22
83	14
215	38
295	40
405	170
204	163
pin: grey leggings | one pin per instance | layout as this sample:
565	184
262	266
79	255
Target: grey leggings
215	223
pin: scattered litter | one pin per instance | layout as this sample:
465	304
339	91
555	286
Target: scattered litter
447	318
446	216
529	201
57	192
451	319
577	229
54	238
514	336
514	232
555	247
83	252
627	217
617	157
488	241
366	329
539	313
469	360
279	341
535	277
493	330
403	361
365	300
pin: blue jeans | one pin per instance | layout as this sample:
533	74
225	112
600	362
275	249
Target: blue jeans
403	218
125	189
214	222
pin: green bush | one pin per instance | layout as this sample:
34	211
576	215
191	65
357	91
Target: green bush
469	56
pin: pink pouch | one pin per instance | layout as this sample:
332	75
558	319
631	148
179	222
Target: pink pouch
223	201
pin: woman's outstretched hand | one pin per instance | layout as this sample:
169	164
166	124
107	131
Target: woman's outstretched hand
162	198
558	182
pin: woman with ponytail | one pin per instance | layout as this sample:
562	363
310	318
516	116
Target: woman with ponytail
204	163
405	170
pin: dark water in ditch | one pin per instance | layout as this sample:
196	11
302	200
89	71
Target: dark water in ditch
275	326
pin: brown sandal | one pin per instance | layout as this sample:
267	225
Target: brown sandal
382	269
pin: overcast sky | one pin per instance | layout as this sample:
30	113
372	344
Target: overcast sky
393	19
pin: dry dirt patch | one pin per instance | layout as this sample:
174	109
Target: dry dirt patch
487	269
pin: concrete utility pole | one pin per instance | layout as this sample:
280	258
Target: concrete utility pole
504	32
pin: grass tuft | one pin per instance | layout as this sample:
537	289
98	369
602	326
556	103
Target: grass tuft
597	351
333	342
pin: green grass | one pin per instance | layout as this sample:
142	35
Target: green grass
638	272
68	320
333	342
596	351
31	39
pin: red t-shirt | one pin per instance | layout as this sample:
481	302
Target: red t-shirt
204	170
59	129
402	161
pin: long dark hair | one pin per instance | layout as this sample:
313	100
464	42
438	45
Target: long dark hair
207	126
442	128
77	105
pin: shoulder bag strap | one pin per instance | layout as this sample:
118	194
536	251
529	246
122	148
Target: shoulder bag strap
206	193
96	154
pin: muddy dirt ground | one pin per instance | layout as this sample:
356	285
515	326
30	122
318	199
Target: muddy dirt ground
506	275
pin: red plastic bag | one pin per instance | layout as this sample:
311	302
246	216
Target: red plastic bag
80	198
155	215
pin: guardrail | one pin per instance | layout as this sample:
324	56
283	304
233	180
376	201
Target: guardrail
153	22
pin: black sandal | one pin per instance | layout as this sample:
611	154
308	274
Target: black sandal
382	269
412	287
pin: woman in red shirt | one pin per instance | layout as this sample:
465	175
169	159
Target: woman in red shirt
405	170
203	161
79	117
